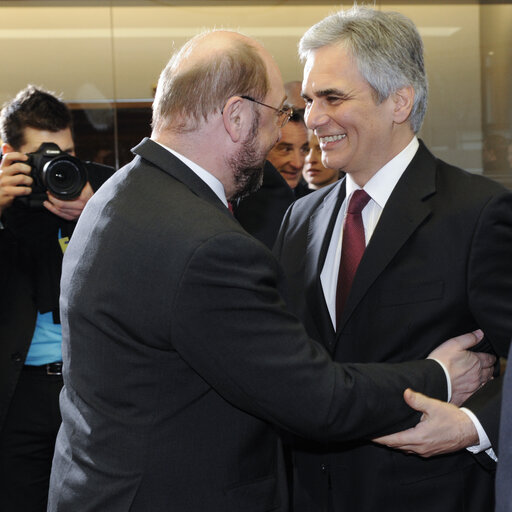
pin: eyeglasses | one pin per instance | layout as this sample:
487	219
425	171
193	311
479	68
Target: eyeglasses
283	114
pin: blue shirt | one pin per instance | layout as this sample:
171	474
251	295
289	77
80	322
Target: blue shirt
46	346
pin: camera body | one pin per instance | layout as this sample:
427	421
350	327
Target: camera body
57	172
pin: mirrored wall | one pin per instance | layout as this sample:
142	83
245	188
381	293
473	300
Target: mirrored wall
104	58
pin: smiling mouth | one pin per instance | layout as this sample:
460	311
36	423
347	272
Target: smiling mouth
331	138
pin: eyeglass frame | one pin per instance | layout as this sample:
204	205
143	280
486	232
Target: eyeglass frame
285	111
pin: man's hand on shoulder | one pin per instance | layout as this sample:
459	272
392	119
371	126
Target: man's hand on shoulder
443	428
468	370
69	210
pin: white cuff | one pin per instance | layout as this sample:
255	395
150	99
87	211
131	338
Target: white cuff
483	439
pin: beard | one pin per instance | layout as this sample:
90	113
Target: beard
248	164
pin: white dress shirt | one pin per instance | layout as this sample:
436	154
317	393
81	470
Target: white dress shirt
206	176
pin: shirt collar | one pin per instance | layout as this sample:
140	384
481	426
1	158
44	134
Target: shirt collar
206	176
381	185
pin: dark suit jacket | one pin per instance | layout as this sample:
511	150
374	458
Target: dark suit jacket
438	265
261	213
179	354
504	473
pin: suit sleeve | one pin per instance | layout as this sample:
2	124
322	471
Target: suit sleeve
230	324
490	297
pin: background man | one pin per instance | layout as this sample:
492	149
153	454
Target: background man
30	330
437	260
289	154
178	349
262	212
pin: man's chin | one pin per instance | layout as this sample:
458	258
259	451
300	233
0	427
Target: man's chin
254	180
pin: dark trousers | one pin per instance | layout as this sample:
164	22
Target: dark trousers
27	441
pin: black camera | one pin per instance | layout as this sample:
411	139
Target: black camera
53	170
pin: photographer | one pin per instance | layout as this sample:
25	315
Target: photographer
35	226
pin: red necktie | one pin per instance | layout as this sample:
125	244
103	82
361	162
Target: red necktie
352	248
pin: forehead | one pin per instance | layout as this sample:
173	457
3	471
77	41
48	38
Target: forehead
330	66
34	138
294	133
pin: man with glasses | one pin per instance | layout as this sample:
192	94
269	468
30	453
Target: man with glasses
261	212
181	362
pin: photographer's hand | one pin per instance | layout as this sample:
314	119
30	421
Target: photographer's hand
15	180
69	210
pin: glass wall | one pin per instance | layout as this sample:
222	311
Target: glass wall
104	57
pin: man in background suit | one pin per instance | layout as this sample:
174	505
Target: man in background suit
262	212
180	358
289	154
437	261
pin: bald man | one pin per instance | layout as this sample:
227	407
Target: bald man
180	359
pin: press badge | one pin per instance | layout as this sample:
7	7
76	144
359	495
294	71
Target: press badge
63	242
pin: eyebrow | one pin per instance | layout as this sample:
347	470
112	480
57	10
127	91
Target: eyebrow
327	92
330	92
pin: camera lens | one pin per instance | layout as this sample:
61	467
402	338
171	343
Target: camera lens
65	177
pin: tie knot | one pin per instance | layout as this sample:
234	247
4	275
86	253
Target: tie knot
358	201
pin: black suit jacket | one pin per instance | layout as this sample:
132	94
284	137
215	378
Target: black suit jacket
181	360
438	265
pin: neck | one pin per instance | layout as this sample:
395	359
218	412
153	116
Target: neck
204	149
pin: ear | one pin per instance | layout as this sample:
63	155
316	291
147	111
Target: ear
7	148
233	115
403	101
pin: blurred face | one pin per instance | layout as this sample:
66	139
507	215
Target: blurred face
289	154
314	172
356	134
34	138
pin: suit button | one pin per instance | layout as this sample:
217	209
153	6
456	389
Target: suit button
16	357
324	467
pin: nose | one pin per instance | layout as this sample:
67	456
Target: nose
314	156
297	160
315	115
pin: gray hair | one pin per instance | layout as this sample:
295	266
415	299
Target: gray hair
386	46
187	94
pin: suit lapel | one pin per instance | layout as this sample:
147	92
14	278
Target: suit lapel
168	163
404	212
320	230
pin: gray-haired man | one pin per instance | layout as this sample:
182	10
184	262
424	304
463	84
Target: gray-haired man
437	261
